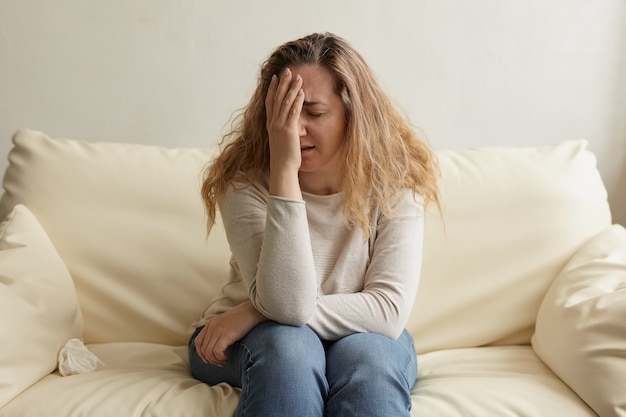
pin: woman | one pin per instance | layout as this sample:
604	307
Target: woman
321	190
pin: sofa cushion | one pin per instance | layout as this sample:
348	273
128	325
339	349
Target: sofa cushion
491	381
128	221
581	326
512	217
39	311
139	379
153	380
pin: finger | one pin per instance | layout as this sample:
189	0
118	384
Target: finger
209	351
215	347
205	345
292	101
281	91
296	109
199	343
219	353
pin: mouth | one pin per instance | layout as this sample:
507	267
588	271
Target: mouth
306	148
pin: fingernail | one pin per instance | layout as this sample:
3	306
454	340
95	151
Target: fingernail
273	77
300	92
287	70
298	77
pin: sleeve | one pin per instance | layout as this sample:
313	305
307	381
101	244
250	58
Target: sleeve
391	280
270	243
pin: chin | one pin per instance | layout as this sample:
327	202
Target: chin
307	169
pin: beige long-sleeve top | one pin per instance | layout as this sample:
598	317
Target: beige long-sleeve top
299	262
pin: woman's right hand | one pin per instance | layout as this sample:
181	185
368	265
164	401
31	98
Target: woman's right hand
283	105
225	329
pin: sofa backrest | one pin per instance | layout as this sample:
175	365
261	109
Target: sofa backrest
128	221
512	219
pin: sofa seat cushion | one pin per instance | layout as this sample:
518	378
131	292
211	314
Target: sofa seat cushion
143	379
137	379
581	326
491	381
39	310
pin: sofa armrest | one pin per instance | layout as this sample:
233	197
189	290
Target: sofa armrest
581	325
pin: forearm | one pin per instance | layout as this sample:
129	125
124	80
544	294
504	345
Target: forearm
285	288
339	315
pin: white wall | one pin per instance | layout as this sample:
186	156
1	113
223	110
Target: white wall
469	72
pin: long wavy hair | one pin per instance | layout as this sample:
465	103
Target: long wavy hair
383	152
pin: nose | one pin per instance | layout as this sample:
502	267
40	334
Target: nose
301	127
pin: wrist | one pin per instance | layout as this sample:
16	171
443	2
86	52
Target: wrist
255	316
285	183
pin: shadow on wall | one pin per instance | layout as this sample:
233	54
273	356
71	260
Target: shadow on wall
618	197
618	205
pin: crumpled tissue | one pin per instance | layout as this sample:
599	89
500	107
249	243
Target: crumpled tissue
75	358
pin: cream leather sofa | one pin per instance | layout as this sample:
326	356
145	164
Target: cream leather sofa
521	309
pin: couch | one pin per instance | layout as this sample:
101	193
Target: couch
521	309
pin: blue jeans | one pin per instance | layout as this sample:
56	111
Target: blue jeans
289	371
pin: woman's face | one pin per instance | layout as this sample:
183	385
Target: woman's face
322	129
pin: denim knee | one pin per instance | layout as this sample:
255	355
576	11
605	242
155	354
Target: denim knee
370	374
290	345
374	350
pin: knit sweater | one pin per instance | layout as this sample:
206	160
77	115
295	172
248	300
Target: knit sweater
301	263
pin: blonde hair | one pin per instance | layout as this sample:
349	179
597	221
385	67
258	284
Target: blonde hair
383	152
